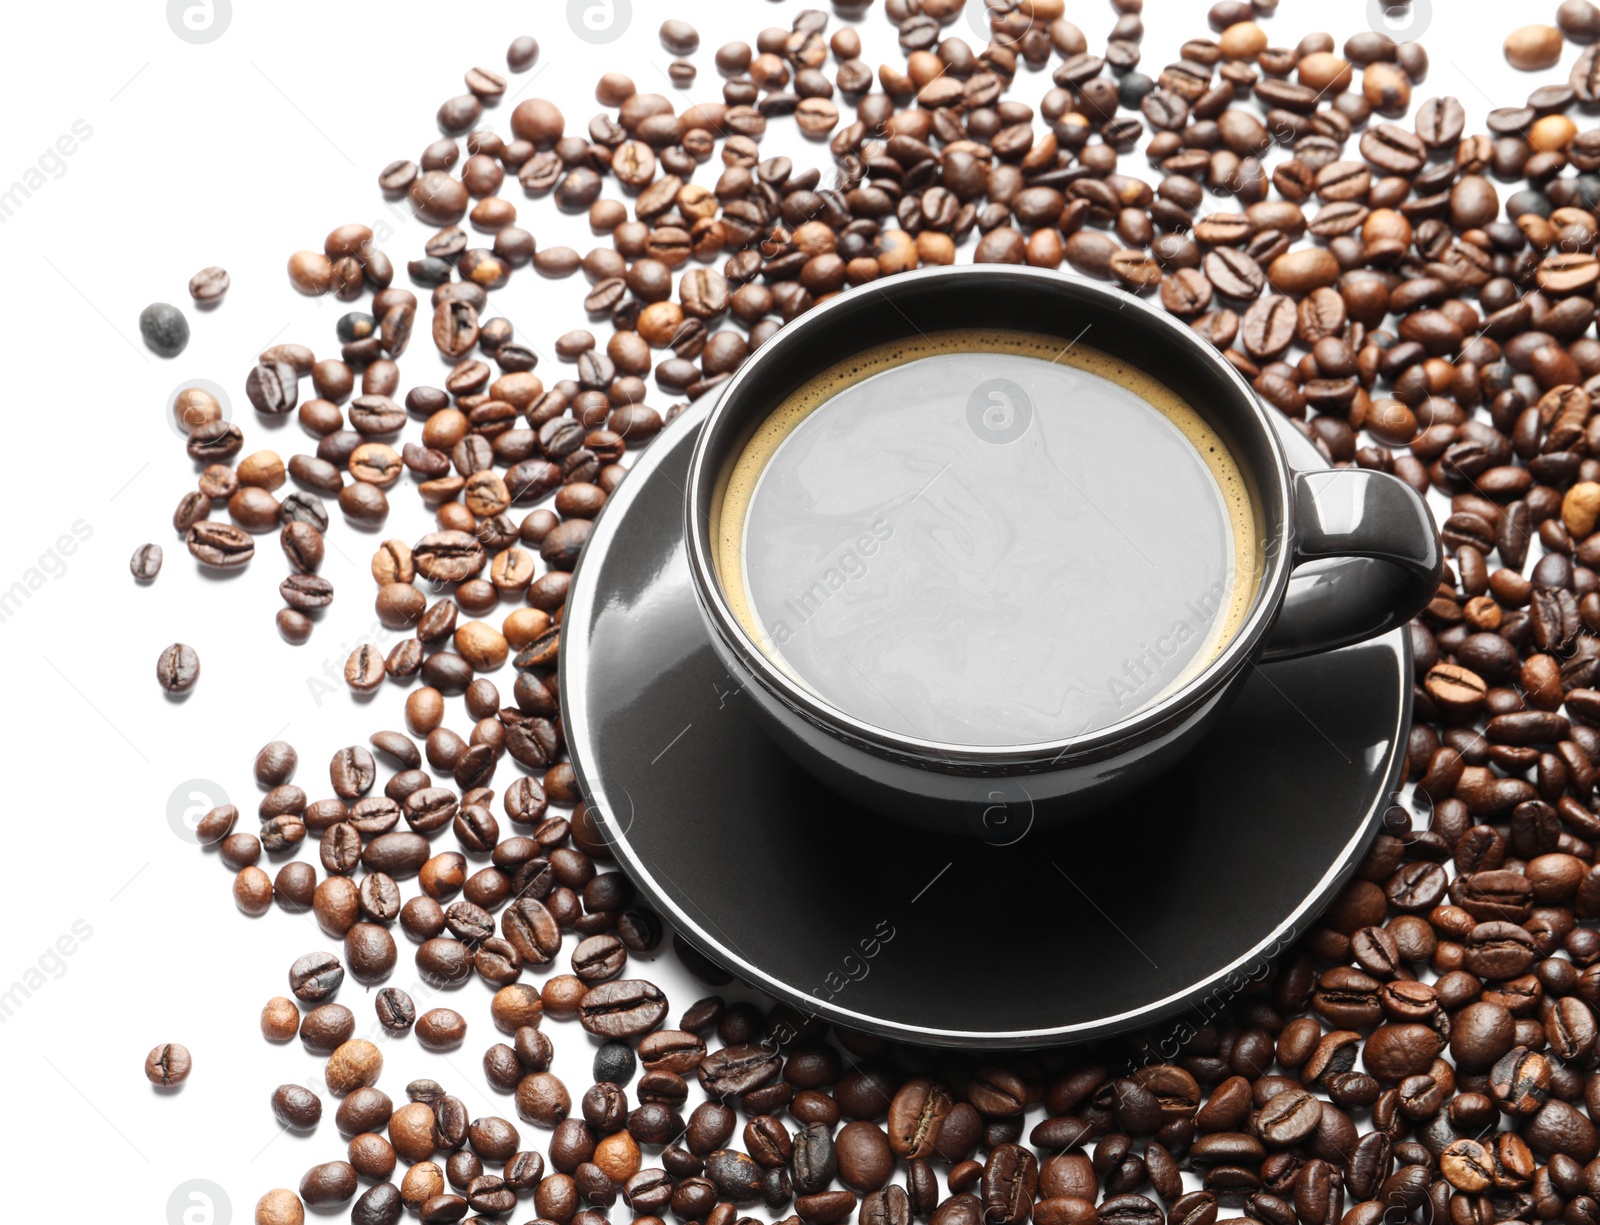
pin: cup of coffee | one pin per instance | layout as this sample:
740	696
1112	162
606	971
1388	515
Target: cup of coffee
981	539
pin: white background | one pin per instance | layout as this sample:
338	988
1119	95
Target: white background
237	153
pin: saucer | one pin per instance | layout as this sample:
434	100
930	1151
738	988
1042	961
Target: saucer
1178	896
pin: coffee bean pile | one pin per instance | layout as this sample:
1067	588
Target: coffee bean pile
542	881
1353	266
698	275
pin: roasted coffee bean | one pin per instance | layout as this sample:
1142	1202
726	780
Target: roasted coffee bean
865	1159
814	1161
315	977
177	668
378	1205
1532	47
146	562
1289	1117
890	1206
1234	273
365	669
623	1008
296	1107
448	557
305	592
1010	1181
220	546
168	1064
352	1065
303	546
352	772
1477	388
273	388
599	958
532	931
441	1029
370	951
542	1099
208	285
396	1012
916	1114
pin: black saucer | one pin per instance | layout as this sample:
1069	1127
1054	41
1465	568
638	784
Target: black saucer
1165	899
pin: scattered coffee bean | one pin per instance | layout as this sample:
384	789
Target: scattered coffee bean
441	1029
679	37
296	1107
178	668
315	977
522	54
164	328
396	1012
168	1064
1531	48
208	285
146	562
1416	295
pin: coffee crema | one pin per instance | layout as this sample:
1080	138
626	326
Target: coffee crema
987	537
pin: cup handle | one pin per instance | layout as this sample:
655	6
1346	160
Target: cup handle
1391	561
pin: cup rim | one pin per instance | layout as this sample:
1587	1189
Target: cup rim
1236	654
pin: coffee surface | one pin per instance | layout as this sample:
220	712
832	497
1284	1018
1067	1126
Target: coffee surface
987	538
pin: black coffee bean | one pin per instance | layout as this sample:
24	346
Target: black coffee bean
614	1062
1130	1209
164	328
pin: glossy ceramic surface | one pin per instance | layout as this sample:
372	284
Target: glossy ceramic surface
1172	897
944	785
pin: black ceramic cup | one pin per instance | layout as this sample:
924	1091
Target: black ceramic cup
1379	529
